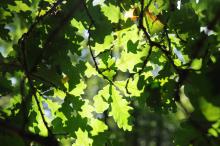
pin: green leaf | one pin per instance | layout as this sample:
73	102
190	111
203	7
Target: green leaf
79	90
132	47
82	138
196	64
87	110
97	127
129	60
182	20
90	70
210	111
100	100
20	6
112	12
120	110
105	46
132	87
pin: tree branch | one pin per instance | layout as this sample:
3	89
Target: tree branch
51	37
46	141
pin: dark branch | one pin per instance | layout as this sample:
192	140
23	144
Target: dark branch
51	37
92	23
46	141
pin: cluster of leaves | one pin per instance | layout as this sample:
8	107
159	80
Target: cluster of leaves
78	71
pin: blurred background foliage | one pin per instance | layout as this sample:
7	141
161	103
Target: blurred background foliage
109	72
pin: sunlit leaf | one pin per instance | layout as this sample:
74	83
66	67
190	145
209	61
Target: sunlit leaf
120	110
82	138
211	112
112	12
19	7
100	100
97	127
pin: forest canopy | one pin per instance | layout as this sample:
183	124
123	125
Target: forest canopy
109	72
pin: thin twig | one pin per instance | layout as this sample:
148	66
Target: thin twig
31	84
23	60
92	23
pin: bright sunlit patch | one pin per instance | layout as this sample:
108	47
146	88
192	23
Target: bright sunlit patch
130	14
178	4
206	31
179	55
156	5
2	50
85	34
156	70
13	81
98	2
